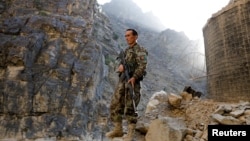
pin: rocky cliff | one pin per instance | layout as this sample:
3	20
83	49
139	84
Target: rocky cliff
55	60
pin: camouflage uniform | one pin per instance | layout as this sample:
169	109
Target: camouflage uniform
136	59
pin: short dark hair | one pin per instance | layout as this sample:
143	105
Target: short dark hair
134	32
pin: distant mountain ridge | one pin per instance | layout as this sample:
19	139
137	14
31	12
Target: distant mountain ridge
131	12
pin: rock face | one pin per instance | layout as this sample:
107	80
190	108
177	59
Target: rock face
226	38
52	73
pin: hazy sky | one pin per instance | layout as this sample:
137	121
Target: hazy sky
189	16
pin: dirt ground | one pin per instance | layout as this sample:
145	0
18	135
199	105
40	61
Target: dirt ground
199	111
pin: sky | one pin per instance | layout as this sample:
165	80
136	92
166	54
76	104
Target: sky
188	16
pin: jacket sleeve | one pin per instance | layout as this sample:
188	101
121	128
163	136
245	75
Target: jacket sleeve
141	59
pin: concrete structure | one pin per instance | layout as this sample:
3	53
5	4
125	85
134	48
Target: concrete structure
227	50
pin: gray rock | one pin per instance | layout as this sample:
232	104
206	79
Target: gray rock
226	120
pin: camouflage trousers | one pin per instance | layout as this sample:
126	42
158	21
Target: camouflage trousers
122	104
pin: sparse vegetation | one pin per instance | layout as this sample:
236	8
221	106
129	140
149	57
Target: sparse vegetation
109	59
38	4
115	36
44	13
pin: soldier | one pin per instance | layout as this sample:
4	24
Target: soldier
121	103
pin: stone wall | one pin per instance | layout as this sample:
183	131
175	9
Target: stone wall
227	50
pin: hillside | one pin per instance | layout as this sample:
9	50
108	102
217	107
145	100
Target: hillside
173	60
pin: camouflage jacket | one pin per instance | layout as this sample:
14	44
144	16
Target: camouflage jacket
136	59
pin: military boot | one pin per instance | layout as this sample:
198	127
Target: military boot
130	134
116	132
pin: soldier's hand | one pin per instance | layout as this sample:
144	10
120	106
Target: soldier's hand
132	81
120	68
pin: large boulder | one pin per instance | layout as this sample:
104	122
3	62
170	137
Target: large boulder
166	129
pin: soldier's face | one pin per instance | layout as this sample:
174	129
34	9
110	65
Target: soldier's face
130	38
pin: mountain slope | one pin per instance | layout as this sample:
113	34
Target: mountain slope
173	59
